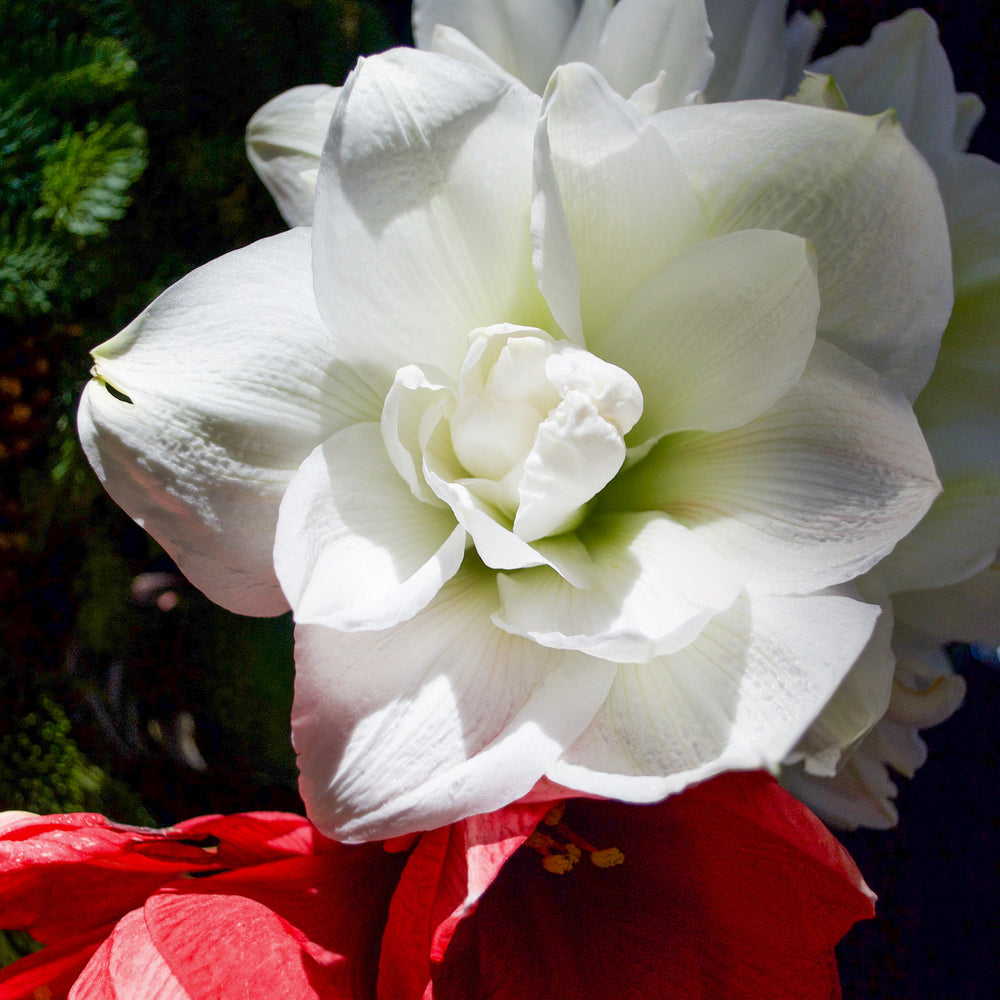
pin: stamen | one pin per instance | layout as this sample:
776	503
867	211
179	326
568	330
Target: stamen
560	855
552	861
558	864
607	858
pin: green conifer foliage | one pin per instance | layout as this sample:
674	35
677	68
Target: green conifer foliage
70	148
86	176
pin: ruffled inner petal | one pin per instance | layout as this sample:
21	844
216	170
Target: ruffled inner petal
653	586
354	548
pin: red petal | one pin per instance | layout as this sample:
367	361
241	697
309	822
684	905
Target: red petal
53	969
231	948
447	872
60	875
729	891
100	870
252	838
128	965
338	901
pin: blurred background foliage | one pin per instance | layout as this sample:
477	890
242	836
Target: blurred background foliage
124	691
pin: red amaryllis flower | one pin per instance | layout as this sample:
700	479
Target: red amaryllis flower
729	891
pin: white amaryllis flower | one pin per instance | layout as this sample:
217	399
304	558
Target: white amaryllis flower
655	52
565	430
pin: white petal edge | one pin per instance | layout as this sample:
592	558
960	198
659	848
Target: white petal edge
748	39
960	534
628	206
522	36
859	192
233	380
903	66
439	718
354	549
856	706
719	334
964	612
646	39
925	692
737	698
810	494
284	142
422	220
654	586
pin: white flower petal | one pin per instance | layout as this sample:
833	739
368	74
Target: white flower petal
354	549
925	692
748	39
628	204
410	253
969	111
583	44
903	67
738	697
576	453
856	706
970	188
579	446
810	494
964	383
447	41
439	718
644	39
523	36
284	142
653	585
960	534
719	334
801	35
418	400
552	254
858	191
819	91
491	531
232	382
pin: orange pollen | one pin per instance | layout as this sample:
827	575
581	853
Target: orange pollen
562	851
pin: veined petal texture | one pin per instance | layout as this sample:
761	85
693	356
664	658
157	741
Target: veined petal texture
859	192
203	408
426	177
444	716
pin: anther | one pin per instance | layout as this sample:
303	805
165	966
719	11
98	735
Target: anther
562	851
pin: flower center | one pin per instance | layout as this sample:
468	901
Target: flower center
539	426
519	445
561	848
